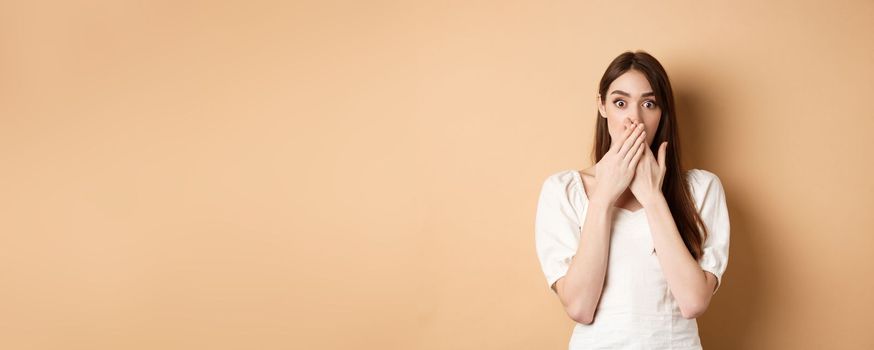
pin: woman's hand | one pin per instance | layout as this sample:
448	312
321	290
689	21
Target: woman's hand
613	173
649	175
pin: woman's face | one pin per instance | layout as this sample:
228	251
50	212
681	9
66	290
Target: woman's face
630	100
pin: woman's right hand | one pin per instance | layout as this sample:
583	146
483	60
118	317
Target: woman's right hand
615	170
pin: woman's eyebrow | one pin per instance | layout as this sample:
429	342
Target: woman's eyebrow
620	92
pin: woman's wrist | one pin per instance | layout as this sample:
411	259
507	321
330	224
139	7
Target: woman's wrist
600	202
654	199
600	209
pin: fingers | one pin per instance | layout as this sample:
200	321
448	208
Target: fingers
637	155
637	144
663	148
637	133
617	143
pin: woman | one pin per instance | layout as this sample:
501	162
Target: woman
634	247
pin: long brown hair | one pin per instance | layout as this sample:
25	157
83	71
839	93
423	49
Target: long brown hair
674	187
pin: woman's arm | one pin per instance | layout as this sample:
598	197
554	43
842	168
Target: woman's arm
691	286
580	289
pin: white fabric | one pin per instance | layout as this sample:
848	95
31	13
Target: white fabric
636	309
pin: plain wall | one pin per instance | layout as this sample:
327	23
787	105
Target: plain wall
333	175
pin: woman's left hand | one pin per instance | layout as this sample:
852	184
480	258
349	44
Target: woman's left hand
649	175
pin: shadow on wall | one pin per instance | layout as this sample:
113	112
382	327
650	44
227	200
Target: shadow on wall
726	323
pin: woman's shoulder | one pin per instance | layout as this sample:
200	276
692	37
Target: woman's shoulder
700	176
702	182
560	182
564	176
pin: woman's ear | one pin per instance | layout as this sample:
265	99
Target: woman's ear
600	106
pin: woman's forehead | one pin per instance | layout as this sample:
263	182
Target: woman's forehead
630	83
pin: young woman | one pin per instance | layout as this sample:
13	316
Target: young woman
634	246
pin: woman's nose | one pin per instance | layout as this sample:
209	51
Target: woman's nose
634	116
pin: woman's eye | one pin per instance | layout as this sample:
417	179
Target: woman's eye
619	103
649	104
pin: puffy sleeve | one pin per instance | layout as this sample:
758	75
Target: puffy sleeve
556	227
708	190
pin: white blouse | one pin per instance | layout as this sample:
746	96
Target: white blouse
636	309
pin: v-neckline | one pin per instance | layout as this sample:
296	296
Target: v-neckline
582	188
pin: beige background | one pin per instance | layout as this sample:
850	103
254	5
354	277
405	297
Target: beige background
333	175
